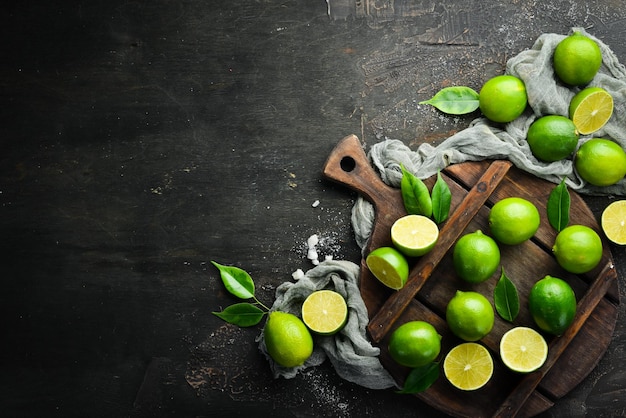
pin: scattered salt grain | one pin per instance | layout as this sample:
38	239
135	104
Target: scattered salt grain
316	204
312	241
298	274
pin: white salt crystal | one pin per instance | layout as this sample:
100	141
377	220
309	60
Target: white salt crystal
312	241
298	274
312	254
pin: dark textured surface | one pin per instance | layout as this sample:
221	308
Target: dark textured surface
140	140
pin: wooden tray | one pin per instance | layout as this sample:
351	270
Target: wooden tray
475	187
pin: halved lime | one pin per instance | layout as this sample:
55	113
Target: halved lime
414	235
523	349
389	266
614	222
468	366
591	109
324	312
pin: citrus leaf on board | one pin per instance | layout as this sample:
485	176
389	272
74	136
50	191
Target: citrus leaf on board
441	199
420	378
558	206
506	298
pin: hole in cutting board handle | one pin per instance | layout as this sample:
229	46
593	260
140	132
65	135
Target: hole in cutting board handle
347	164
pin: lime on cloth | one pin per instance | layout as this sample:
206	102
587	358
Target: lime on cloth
349	350
484	140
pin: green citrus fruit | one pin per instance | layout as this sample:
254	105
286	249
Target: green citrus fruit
577	59
469	315
389	266
476	257
414	235
590	109
468	366
552	138
523	349
600	162
324	312
513	220
502	98
414	344
614	222
552	304
578	249
287	339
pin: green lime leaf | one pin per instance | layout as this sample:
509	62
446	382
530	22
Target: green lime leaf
442	198
457	100
241	314
415	195
506	298
237	281
558	206
420	378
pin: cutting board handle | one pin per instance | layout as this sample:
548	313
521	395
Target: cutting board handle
347	164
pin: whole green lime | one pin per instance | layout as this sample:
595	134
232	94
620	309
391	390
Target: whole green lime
414	344
502	98
577	248
513	220
475	257
577	59
287	339
552	304
600	162
469	315
552	138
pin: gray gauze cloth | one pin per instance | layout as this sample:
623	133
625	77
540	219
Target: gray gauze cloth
350	352
484	140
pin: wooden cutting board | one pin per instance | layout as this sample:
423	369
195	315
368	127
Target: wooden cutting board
475	187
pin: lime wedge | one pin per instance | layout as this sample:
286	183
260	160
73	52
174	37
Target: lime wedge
389	266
